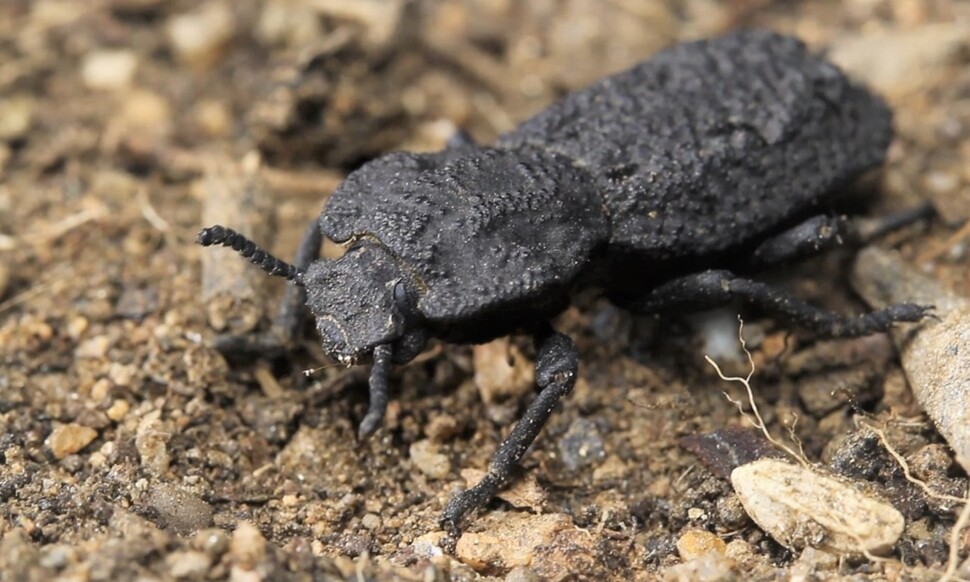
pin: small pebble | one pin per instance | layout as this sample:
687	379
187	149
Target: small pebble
16	117
76	326
800	507
108	70
136	302
118	410
860	385
211	541
428	460
744	555
930	462
709	567
100	390
180	509
428	546
502	375
198	37
951	201
68	439
370	521
39	329
57	556
145	114
697	542
122	374
95	348
550	545
441	428
730	512
188	564
213	118
814	564
151	440
288	24
247	548
582	445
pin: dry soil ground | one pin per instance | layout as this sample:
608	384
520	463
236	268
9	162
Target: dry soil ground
131	449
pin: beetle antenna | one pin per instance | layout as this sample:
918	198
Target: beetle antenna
227	237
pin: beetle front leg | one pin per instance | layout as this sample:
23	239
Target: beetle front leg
377	407
557	364
291	318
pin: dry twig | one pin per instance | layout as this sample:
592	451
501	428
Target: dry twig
755	418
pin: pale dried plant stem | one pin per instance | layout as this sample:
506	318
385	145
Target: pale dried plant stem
954	554
953	561
758	422
906	470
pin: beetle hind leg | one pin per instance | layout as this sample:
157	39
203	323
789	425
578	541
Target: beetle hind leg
711	289
557	364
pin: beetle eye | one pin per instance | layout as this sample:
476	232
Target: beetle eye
401	297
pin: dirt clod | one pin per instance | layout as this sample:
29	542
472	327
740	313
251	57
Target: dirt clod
549	544
695	543
428	460
179	509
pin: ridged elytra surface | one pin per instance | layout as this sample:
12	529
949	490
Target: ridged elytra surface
702	148
710	143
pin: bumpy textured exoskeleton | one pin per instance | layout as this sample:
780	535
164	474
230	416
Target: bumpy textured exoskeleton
654	185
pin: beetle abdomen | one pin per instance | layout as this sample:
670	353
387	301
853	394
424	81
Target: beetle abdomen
710	144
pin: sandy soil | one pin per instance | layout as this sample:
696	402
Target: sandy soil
132	449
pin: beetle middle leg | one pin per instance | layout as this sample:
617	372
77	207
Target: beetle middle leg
557	364
714	288
823	232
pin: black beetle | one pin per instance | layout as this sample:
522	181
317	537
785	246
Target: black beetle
653	185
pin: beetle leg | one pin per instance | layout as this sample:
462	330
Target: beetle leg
715	288
378	392
291	318
802	241
556	367
823	232
460	139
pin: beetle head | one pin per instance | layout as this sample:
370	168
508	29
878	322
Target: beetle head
360	301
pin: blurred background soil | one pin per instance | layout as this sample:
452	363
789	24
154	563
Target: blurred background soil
131	449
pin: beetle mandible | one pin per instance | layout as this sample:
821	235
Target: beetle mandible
655	185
